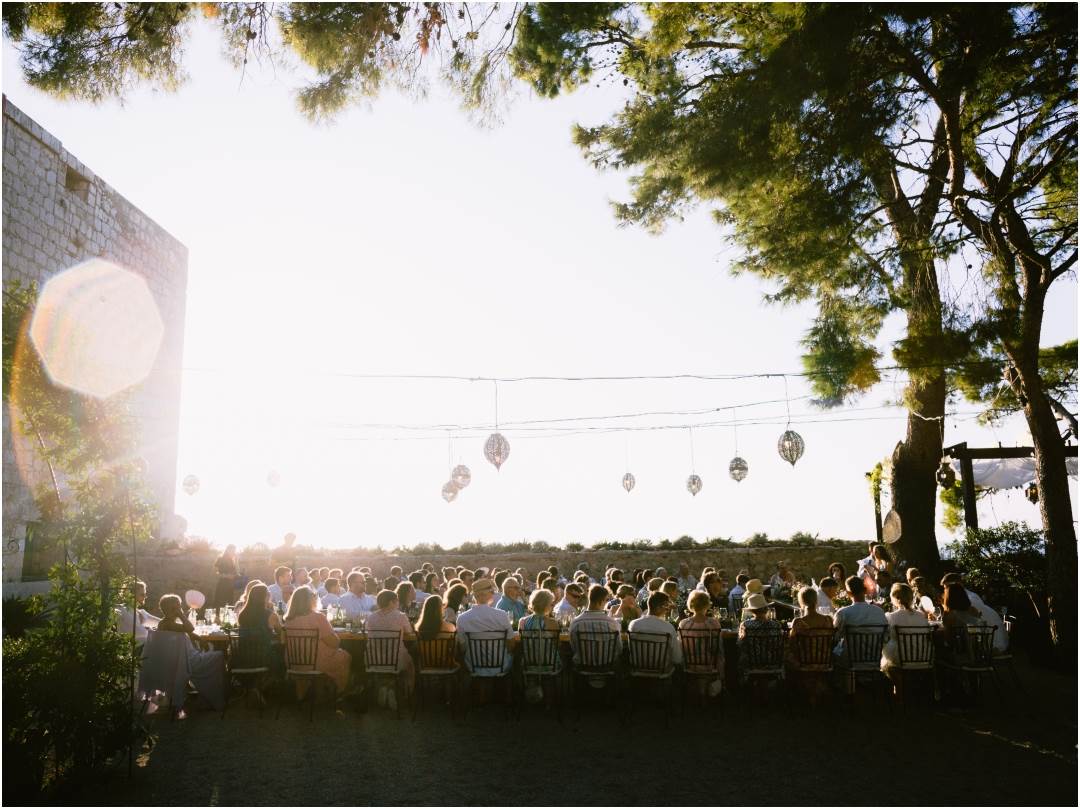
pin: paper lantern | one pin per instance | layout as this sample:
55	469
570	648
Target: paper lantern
628	482
790	446
497	449
693	485
738	469
194	599
461	476
191	484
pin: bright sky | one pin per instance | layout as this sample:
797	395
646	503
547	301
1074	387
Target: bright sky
404	240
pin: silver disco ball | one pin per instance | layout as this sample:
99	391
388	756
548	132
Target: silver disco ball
461	476
738	469
790	446
450	491
693	484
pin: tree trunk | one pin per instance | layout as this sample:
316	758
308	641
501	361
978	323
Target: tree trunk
1055	507
914	487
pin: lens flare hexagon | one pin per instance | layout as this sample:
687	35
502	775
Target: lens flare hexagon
97	328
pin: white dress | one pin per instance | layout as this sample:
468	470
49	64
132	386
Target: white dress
905	618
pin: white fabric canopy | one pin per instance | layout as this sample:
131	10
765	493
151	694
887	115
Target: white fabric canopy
1007	473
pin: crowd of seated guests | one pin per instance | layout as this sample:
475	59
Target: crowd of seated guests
425	603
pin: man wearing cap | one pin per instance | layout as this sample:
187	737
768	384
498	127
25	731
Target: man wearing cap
483	617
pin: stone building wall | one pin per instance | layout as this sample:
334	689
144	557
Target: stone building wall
56	214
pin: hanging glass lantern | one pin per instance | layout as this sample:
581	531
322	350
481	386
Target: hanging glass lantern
191	484
790	446
450	491
274	478
461	476
693	484
1032	492
497	449
946	476
628	482
738	469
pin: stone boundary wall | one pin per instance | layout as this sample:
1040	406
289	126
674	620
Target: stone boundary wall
195	569
57	213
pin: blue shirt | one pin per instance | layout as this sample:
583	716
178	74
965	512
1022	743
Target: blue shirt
515	608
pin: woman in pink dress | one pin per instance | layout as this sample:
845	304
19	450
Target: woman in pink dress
330	659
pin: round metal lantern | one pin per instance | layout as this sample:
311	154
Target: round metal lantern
790	446
1032	492
191	484
628	482
450	491
497	449
738	469
945	476
461	476
693	484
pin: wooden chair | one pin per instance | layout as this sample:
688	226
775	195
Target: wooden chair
703	659
915	656
648	654
596	659
437	663
540	659
861	661
763	651
301	652
382	652
972	657
1005	659
248	663
486	657
813	661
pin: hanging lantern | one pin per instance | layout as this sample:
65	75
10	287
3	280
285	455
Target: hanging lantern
946	476
1032	492
191	484
790	446
628	482
497	449
461	476
274	478
693	484
738	469
450	491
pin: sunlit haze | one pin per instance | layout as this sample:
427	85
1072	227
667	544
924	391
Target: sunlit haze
404	240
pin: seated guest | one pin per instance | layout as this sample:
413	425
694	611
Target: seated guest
407	600
827	590
686	580
539	617
594	618
482	617
281	589
989	615
301	577
417	579
922	588
759	610
247	589
137	619
782	579
837	573
643	592
260	626
810	620
356	602
656	622
330	659
467	577
653	586
431	583
456	594
315	580
699	605
857	613
572	600
395	571
626	607
738	592
331	596
910	575
705	571
711	586
204	666
903	614
671	590
388	618
957	610
512	600
173	618
432	620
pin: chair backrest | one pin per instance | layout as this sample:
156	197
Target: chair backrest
814	648
165	665
915	647
763	648
702	650
301	650
381	650
973	645
540	650
649	652
862	646
596	652
437	652
248	651
736	604
487	652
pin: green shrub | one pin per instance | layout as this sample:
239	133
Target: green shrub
1006	564
574	547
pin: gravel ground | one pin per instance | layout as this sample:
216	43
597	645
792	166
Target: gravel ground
1021	751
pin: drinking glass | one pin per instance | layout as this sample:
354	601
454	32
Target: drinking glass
722	614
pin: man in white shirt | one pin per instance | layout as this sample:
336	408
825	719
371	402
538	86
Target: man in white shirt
989	615
594	619
827	589
738	591
656	622
141	619
573	598
281	589
356	602
866	562
857	613
331	595
482	617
